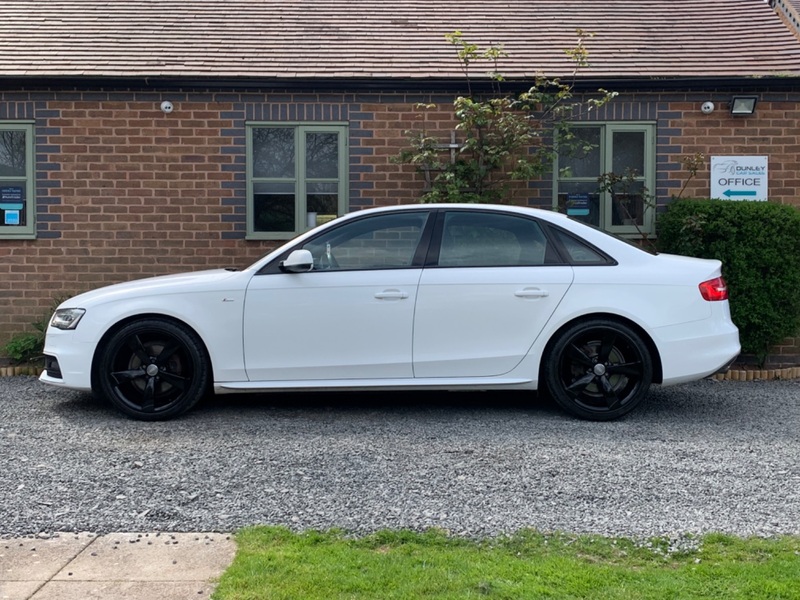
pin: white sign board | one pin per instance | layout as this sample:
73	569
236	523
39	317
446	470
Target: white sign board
739	177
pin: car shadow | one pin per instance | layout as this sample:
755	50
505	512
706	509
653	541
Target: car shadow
80	405
389	402
688	407
70	402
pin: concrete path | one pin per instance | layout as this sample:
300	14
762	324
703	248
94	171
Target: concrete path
123	566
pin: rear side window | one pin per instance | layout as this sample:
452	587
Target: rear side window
579	252
491	240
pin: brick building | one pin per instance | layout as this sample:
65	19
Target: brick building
141	137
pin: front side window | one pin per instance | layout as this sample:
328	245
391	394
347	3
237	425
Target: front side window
297	177
377	242
16	181
604	175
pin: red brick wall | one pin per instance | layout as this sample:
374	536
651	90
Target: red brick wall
773	131
125	191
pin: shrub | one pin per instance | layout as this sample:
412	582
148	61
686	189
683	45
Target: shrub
25	347
759	246
28	346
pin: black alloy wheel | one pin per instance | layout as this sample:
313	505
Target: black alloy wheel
598	369
153	369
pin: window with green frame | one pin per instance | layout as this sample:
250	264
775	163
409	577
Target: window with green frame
297	177
17	199
626	150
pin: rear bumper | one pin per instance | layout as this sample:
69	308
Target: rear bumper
692	351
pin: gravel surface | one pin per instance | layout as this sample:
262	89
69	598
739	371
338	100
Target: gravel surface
709	456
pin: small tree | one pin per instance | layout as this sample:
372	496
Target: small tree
504	138
627	185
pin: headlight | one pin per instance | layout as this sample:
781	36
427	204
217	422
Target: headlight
67	318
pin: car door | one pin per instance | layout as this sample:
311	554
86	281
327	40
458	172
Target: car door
492	288
351	317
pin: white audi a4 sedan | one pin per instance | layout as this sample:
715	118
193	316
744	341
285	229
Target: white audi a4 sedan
418	297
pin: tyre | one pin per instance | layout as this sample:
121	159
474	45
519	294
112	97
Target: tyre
598	369
153	369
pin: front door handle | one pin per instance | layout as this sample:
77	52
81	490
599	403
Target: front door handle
391	295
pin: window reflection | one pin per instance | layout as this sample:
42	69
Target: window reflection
12	153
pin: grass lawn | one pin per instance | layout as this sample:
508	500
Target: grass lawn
274	563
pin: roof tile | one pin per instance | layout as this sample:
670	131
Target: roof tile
402	38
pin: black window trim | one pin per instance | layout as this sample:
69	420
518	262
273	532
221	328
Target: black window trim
427	253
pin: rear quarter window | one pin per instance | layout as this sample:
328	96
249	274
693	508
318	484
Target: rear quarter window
579	252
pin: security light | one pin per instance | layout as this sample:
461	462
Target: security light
743	105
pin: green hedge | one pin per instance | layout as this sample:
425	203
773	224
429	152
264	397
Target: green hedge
759	246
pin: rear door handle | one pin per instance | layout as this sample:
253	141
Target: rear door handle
391	295
531	293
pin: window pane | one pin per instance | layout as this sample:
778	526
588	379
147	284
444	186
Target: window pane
580	200
322	202
627	208
387	241
579	155
322	155
12	153
487	240
628	149
274	207
273	152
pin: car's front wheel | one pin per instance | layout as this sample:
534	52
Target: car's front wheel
153	369
598	369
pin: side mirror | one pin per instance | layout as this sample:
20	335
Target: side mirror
299	261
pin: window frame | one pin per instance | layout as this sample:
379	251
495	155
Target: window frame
27	231
299	179
648	178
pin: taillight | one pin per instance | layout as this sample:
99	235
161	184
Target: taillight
714	290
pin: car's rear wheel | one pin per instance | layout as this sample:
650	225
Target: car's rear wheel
598	369
153	369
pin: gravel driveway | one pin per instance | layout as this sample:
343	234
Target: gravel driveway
709	456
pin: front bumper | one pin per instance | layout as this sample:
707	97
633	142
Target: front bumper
68	361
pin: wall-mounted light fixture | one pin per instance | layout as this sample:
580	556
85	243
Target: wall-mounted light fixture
167	106
743	105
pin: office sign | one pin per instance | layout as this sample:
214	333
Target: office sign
12	203
739	177
578	205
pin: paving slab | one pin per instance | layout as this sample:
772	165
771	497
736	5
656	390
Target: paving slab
36	559
127	566
27	564
19	590
150	557
123	590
